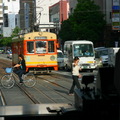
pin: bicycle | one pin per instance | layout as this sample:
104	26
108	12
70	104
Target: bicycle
8	80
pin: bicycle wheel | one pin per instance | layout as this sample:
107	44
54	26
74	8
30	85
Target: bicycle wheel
7	81
29	80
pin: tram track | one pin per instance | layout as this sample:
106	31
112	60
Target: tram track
31	96
40	93
48	87
2	99
57	92
28	94
51	81
6	99
55	78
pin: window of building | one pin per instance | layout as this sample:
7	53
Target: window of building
15	21
5	20
1	1
1	18
5	7
1	12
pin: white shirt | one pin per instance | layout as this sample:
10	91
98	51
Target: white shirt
75	70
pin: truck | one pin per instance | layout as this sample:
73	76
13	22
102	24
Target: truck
112	55
84	49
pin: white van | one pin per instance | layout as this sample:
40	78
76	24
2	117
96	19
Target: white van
83	49
60	59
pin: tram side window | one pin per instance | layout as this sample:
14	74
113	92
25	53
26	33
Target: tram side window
30	47
50	46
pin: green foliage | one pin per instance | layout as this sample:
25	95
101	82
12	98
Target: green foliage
15	31
67	30
6	41
87	22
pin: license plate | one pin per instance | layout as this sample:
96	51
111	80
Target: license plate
85	66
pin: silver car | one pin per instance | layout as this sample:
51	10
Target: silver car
9	54
60	59
101	56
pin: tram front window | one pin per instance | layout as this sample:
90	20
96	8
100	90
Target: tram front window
40	46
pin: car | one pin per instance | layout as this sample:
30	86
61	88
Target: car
101	56
1	51
60	59
9	54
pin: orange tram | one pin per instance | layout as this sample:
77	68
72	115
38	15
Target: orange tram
39	50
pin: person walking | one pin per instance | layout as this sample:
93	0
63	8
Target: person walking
75	75
20	67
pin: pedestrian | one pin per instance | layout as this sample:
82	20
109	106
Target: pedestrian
20	67
75	75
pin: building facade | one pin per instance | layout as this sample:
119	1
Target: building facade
27	14
10	16
24	14
1	16
59	11
34	14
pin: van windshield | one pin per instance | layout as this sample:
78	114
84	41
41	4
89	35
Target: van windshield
83	50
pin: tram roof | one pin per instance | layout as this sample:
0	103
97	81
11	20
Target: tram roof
35	35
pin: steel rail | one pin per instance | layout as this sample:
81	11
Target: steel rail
29	95
2	98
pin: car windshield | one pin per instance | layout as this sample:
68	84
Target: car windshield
99	53
104	52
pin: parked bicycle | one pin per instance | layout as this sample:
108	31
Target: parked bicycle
8	80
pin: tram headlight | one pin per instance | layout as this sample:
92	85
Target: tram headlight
52	57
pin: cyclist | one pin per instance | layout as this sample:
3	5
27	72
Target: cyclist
20	67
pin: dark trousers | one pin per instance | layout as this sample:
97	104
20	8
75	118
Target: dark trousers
75	83
19	72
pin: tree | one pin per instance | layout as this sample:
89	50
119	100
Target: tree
66	30
86	22
15	31
6	41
